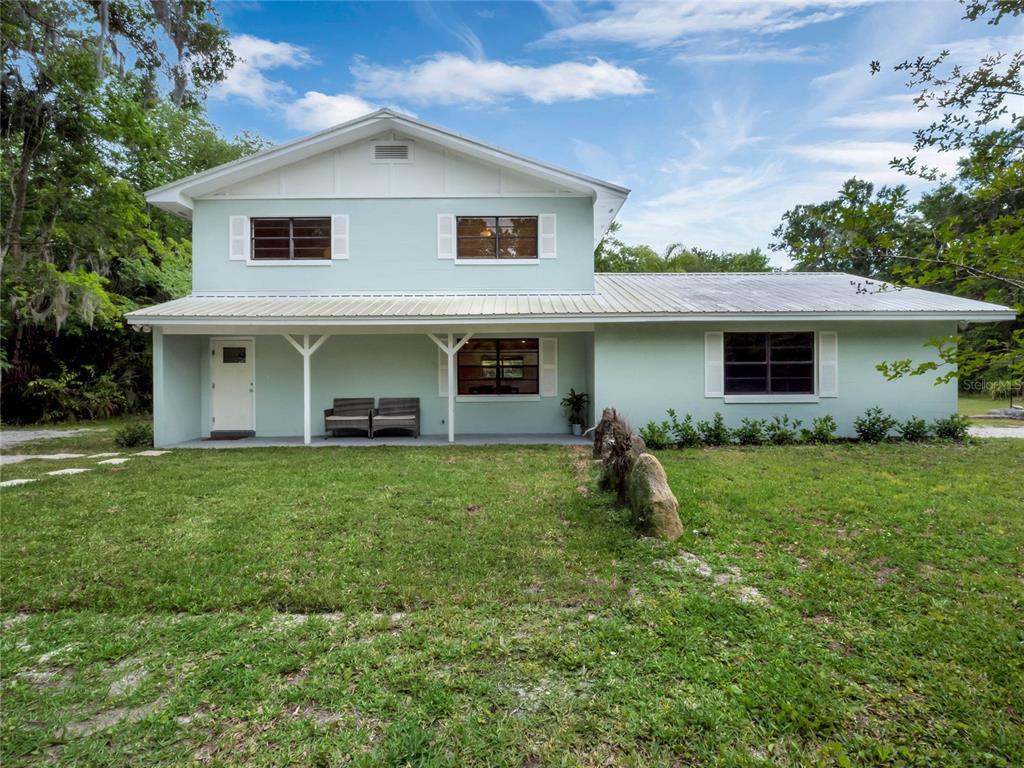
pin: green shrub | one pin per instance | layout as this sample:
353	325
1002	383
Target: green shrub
135	435
952	427
914	429
750	432
76	395
782	431
874	426
656	435
714	432
684	433
823	430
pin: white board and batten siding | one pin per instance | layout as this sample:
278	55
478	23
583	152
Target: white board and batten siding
548	373
827	362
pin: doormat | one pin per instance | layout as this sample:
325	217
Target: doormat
231	434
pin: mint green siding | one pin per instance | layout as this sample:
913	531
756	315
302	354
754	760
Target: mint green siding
393	247
177	383
644	370
384	365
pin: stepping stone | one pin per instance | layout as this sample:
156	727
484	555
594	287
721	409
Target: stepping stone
19	481
114	461
103	455
151	453
59	455
70	471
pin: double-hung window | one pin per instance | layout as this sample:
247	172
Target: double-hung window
289	239
496	237
499	367
769	363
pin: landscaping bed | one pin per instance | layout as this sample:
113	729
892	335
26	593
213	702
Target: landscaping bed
837	605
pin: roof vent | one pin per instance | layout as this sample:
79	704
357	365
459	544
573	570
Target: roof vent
392	152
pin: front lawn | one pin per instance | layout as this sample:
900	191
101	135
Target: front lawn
848	605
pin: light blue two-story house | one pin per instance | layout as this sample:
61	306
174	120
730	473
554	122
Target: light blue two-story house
386	257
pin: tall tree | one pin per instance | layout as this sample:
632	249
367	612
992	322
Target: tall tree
613	255
98	100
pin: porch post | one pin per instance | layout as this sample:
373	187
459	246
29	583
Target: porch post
451	387
307	426
451	349
307	352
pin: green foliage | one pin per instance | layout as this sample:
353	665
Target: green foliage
914	429
684	434
73	395
81	137
750	432
714	432
964	236
575	403
874	426
782	431
657	435
134	435
613	255
953	427
823	430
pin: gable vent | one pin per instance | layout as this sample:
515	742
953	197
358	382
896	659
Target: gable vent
390	152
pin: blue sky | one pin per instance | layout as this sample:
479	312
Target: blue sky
718	115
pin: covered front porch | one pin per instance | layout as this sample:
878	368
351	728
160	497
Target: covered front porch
275	384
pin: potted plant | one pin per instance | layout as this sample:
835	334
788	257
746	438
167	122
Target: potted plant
576	403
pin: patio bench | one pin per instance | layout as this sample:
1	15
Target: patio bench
349	413
397	413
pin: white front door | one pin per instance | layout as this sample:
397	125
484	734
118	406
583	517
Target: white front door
231	378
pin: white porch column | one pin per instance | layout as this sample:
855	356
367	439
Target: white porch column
451	349
307	397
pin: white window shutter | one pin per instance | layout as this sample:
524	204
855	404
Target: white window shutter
238	246
714	364
339	236
445	236
828	364
547	238
549	367
442	374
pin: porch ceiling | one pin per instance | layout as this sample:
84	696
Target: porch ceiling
616	297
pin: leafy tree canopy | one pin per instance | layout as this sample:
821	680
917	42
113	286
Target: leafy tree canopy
613	255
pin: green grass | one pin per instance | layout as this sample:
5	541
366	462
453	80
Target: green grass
484	606
94	437
980	404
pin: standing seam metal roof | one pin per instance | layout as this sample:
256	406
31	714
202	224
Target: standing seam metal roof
614	296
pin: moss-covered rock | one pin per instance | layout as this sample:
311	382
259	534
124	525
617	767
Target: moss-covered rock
655	508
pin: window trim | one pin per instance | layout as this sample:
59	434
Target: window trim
500	396
497	240
772	397
291	260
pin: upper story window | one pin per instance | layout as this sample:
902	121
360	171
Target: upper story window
769	363
291	238
496	237
499	367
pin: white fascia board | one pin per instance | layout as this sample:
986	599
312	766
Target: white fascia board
137	317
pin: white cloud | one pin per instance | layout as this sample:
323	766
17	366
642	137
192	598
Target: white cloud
870	159
450	78
247	80
653	25
315	111
749	53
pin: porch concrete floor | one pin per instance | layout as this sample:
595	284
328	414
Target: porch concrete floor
365	442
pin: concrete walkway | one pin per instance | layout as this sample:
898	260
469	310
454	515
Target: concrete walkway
981	431
9	438
365	442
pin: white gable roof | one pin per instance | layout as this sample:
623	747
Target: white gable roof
675	297
255	172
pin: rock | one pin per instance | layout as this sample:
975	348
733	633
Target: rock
654	507
604	426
